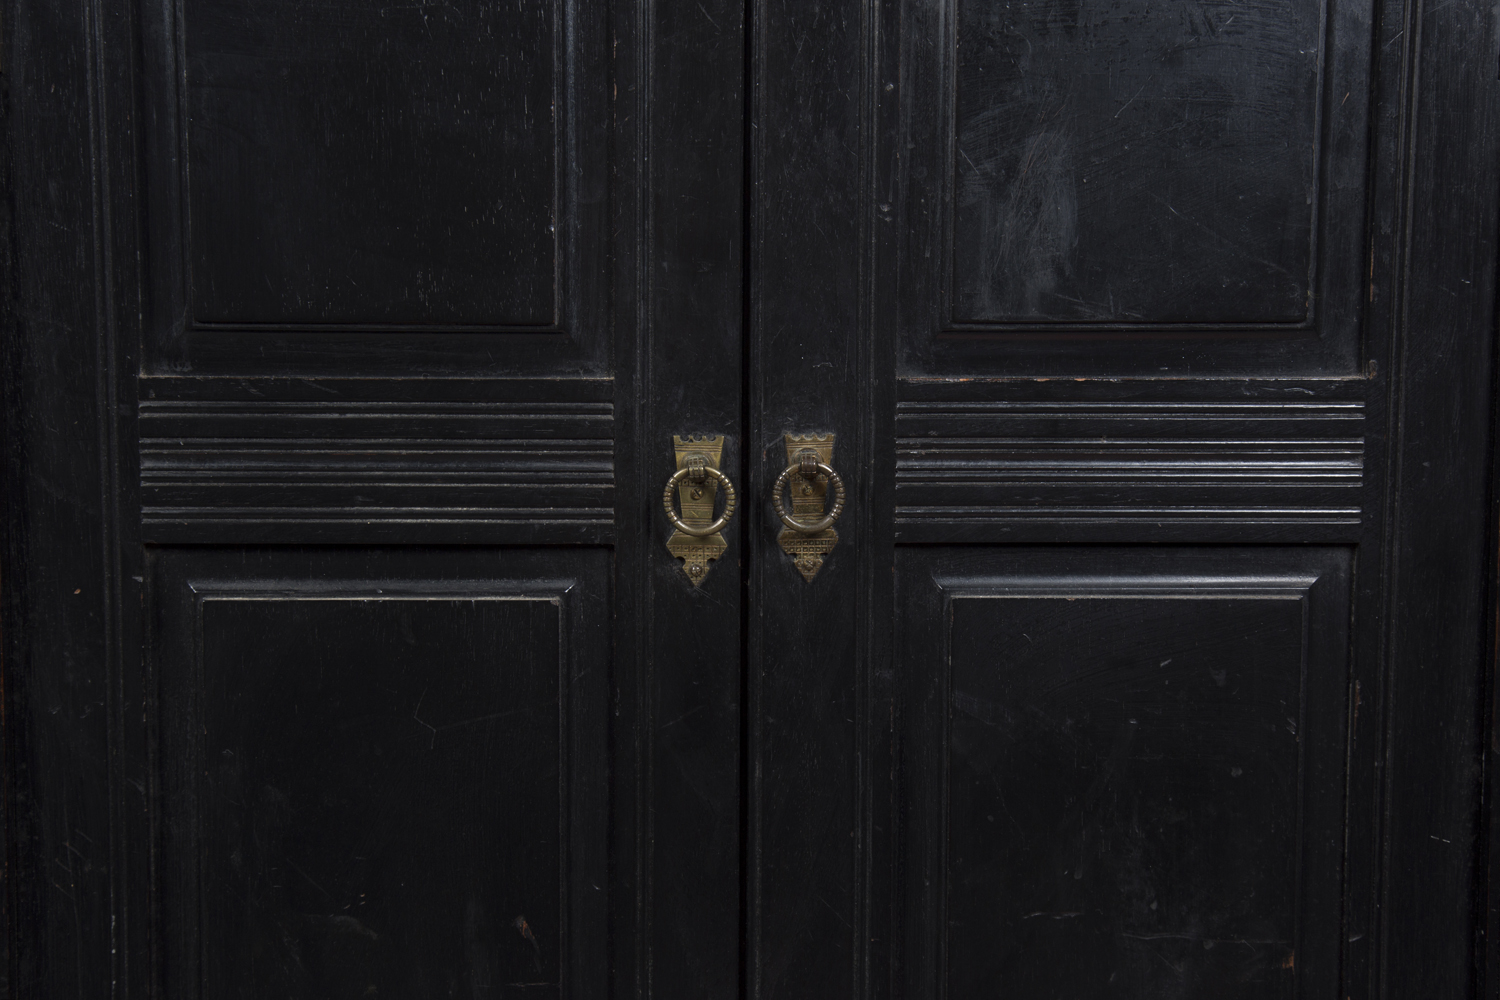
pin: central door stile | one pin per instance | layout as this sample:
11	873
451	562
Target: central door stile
810	601
690	286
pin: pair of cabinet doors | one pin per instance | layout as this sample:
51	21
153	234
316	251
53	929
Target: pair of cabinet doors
1144	347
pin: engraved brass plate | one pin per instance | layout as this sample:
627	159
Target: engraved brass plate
809	496
696	501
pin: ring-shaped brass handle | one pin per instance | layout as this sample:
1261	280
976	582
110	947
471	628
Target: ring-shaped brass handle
678	523
827	520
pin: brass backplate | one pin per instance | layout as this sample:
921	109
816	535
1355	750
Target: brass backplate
808	498
696	501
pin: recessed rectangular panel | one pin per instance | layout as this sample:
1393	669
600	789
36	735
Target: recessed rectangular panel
1123	782
355	163
1124	769
1076	189
1135	162
382	793
383	772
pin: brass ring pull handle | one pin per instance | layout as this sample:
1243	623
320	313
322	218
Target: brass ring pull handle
682	526
809	469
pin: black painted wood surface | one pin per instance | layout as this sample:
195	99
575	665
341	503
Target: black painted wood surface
1139	754
343	348
385	296
377	775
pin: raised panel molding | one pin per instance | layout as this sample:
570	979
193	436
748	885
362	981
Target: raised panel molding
1005	465
269	469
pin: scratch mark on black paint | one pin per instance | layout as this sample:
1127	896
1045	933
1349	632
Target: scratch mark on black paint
1132	99
1247	942
309	880
1219	236
525	930
348	925
842	919
418	719
477	719
684	715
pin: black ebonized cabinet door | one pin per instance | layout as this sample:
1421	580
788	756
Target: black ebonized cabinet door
1157	343
345	344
